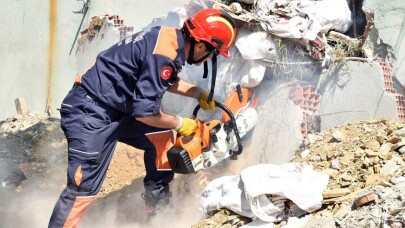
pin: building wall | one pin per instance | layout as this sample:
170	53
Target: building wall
389	19
36	39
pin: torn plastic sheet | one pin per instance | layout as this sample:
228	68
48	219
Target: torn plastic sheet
248	194
304	18
296	18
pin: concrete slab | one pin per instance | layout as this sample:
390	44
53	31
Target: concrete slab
391	29
278	132
354	92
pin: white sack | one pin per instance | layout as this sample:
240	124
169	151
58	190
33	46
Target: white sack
255	44
297	182
247	73
225	192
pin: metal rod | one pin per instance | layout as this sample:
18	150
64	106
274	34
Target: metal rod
85	9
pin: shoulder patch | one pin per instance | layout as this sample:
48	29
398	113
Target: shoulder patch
166	72
166	43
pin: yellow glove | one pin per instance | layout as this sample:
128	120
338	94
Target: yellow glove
202	97
186	126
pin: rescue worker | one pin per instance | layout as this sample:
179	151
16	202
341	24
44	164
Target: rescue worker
119	100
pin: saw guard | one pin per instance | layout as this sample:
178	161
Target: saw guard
163	141
235	105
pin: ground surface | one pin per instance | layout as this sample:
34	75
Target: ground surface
364	157
33	162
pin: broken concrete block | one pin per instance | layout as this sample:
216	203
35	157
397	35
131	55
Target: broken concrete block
338	136
372	145
335	164
330	172
390	167
343	211
400	132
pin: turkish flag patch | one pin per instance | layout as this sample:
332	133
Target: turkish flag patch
166	73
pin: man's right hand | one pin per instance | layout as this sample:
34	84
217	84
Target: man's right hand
202	97
186	126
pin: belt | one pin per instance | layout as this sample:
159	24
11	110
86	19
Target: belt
88	96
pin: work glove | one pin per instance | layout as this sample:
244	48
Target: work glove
186	126
202	97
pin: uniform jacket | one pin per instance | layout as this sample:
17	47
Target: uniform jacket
132	75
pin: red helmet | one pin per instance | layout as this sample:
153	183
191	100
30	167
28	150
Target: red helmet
213	26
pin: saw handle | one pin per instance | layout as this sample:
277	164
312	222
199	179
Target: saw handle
234	126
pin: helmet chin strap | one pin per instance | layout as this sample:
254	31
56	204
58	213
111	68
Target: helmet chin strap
190	60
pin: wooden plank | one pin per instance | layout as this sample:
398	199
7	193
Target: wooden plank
21	106
335	193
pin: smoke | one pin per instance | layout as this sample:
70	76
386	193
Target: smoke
27	199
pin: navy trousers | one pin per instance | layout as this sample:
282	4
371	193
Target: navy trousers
92	131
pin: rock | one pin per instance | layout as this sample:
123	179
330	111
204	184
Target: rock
398	180
398	145
371	153
315	158
338	136
394	139
390	167
400	132
372	145
401	150
330	172
374	179
343	211
304	153
385	148
326	221
335	164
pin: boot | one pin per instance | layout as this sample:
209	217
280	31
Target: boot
155	203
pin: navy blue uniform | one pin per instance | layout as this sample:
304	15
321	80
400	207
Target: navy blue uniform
127	80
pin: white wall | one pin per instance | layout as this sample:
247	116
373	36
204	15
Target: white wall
389	19
25	66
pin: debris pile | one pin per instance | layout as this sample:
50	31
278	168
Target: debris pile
358	155
29	143
366	165
100	23
223	218
365	162
33	150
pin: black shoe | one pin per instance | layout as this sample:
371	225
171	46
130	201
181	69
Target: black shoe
154	203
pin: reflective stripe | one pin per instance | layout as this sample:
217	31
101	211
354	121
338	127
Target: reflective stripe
83	152
158	132
67	105
84	197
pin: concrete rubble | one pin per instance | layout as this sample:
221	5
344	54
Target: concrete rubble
367	176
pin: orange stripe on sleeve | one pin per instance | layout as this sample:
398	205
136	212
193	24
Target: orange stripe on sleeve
166	44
